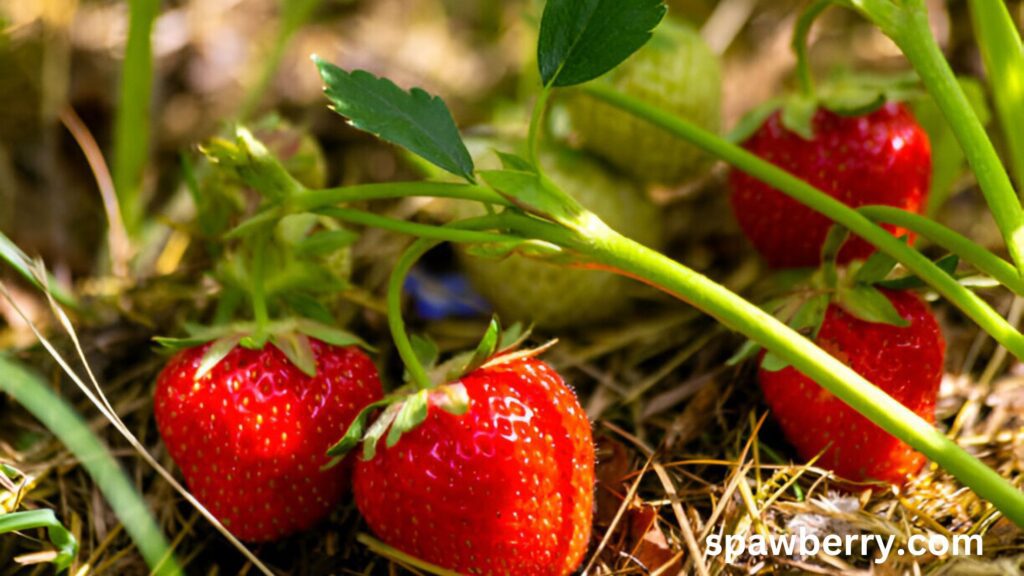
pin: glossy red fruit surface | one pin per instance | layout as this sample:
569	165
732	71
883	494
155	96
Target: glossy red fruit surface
251	435
905	362
880	158
506	488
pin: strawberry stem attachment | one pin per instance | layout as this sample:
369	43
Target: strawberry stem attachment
799	45
261	314
858	224
417	373
536	122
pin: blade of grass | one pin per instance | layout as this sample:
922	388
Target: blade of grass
10	253
32	392
59	536
1004	60
131	128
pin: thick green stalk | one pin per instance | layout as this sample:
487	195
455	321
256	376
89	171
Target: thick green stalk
32	392
973	306
1003	53
968	250
906	23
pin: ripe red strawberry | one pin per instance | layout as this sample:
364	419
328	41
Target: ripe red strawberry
906	363
506	488
880	158
251	435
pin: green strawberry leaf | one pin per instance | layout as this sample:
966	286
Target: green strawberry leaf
513	336
868	304
325	242
746	351
197	335
772	363
837	236
297	348
583	39
412	414
354	435
753	120
947	264
215	353
855	103
413	119
514	162
811	314
330	334
376	430
798	116
485	349
875	269
530	191
856	93
425	349
308	306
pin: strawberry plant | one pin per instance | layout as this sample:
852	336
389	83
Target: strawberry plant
485	461
540	219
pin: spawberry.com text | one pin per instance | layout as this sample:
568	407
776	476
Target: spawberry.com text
849	545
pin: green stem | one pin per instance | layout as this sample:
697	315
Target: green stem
258	293
908	27
313	199
968	250
1001	49
536	120
310	200
973	306
800	33
394	302
440	233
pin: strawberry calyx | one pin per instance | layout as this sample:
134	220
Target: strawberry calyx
289	335
407	407
856	288
845	94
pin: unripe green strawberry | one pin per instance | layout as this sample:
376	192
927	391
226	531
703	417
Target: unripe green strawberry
677	72
552	296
